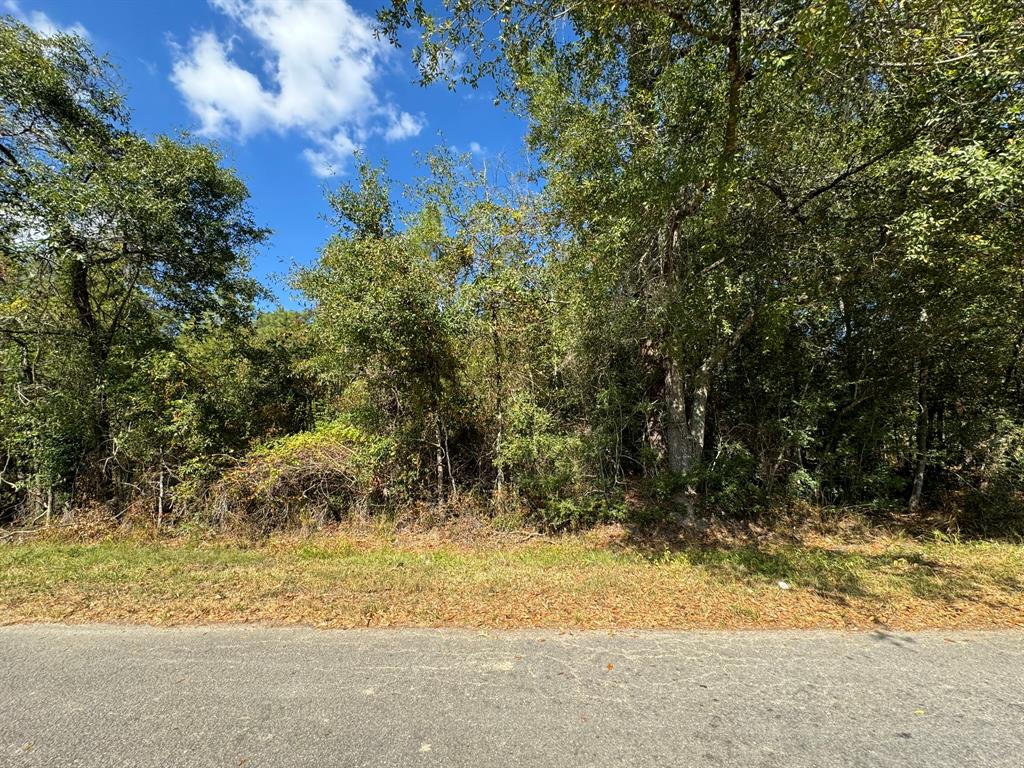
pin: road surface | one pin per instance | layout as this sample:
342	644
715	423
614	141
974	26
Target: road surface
110	696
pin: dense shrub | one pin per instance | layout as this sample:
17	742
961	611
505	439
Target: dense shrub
303	479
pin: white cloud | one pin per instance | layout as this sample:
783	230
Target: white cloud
220	93
402	125
42	23
450	63
473	148
320	61
330	155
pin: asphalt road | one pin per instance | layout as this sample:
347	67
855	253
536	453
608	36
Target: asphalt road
107	696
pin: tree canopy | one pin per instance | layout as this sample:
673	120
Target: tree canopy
765	253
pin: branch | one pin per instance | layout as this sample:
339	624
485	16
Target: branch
123	305
682	21
722	350
852	171
794	208
736	77
777	190
939	63
11	157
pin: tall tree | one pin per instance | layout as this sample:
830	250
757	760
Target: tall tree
707	155
110	241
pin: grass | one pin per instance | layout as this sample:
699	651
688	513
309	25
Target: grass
599	580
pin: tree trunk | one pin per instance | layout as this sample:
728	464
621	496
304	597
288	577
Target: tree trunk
696	427
676	425
685	425
439	459
160	495
100	351
922	438
35	500
734	67
499	394
686	398
448	461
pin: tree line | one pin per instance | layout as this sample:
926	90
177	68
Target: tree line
764	253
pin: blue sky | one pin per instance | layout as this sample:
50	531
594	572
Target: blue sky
287	89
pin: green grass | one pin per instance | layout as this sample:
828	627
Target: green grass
565	582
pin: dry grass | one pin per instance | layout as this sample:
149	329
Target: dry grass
356	577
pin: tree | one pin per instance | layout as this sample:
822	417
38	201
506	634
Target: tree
382	315
707	157
111	242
